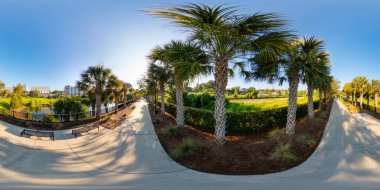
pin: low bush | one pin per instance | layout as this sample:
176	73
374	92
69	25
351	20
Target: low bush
283	153
276	133
239	121
170	131
306	139
185	148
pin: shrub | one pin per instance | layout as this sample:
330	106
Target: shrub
306	139
283	153
239	121
16	101
276	133
170	131
49	119
186	148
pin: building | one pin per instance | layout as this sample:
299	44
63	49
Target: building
72	91
42	90
25	88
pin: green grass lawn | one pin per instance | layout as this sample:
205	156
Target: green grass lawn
5	102
261	105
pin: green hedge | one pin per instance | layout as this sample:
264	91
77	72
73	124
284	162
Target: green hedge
239	121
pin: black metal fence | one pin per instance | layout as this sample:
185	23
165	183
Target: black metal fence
59	118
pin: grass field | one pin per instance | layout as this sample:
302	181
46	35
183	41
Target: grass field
5	102
260	105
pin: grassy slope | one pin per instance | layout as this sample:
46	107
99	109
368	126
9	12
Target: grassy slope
4	102
261	105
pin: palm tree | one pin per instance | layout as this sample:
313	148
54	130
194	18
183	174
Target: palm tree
315	68
126	89
2	86
161	74
354	90
361	85
82	85
347	88
116	86
96	77
225	37
186	60
376	91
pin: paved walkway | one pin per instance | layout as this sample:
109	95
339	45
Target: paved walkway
130	157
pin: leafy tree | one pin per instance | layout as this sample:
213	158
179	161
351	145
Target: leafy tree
18	89
34	93
226	36
16	101
69	105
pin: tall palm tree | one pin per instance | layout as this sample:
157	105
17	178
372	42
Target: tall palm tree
186	60
376	91
225	37
116	86
354	91
96	77
83	86
361	84
162	75
315	68
126	89
347	88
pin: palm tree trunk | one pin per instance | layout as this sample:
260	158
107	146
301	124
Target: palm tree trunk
162	94
105	107
376	101
354	98
221	78
368	102
180	104
116	102
325	104
125	99
292	107
361	100
320	99
98	97
310	104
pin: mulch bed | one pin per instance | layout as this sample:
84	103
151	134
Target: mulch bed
242	154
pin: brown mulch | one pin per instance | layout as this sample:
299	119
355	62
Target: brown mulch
114	120
242	154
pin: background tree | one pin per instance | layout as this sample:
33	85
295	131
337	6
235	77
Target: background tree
18	89
116	86
2	86
361	85
161	74
96	77
16	101
376	91
226	36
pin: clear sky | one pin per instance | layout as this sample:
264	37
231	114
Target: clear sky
50	42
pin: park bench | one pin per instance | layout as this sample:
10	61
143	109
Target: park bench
84	129
37	133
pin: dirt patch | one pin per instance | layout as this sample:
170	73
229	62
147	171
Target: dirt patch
244	154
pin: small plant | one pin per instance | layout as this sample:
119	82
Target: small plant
277	133
283	153
186	148
49	119
170	131
306	139
156	121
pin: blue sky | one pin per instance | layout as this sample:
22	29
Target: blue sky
44	42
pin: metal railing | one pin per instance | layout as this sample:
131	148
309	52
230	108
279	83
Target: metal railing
59	118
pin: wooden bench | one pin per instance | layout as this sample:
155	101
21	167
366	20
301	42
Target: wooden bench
37	133
84	129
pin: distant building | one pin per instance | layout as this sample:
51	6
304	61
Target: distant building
25	88
42	90
72	90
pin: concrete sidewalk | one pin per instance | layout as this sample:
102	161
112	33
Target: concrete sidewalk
131	157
